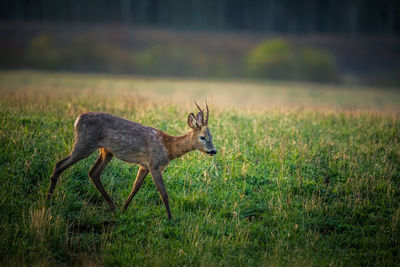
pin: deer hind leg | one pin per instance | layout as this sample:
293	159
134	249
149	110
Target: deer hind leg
58	169
158	180
104	158
142	173
76	155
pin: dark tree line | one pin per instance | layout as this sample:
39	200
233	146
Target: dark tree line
293	16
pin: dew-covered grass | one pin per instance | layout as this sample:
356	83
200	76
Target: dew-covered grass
310	177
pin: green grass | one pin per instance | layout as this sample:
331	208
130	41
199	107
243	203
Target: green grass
305	174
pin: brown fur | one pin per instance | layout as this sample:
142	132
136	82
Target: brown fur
150	148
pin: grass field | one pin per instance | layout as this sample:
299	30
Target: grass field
306	174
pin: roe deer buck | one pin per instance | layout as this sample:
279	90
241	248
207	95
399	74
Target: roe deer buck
150	148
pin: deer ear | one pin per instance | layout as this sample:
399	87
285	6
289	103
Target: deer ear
192	121
199	117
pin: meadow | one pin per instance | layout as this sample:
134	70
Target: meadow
306	174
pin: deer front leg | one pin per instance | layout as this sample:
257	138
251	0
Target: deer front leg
142	173
157	178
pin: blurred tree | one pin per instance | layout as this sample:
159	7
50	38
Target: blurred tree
276	59
271	59
301	16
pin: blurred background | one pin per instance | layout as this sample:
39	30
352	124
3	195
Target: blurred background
329	41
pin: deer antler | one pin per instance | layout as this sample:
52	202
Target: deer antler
202	114
203	122
208	112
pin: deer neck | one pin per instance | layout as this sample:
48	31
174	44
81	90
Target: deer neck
177	146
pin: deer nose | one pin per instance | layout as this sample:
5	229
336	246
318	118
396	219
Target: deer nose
212	152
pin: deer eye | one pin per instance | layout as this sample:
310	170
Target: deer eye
202	138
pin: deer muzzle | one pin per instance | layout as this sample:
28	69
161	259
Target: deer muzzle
212	152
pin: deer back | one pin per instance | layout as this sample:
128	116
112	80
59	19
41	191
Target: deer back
127	140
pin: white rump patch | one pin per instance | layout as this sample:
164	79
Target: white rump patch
77	120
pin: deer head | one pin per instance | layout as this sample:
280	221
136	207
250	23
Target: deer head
201	138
